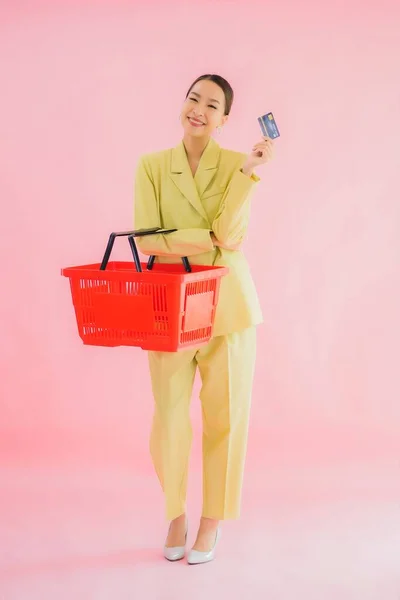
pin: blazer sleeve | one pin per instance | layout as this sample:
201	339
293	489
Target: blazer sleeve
184	242
231	221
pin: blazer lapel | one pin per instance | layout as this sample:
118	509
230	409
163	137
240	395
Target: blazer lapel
208	166
194	188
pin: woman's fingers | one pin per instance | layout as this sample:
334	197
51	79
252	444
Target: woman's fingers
263	145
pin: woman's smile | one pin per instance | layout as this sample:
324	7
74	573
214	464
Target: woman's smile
195	122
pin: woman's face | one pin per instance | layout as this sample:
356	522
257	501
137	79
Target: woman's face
203	109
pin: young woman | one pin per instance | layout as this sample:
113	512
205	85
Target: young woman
203	191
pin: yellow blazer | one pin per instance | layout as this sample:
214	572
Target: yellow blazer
216	200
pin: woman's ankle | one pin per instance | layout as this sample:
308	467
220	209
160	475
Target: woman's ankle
181	517
208	524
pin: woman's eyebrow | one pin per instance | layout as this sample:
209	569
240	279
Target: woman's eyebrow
211	99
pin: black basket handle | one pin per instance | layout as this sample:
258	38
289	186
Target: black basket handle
131	235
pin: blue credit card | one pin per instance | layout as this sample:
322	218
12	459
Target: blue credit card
269	126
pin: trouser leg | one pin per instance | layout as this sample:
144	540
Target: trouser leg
172	375
226	366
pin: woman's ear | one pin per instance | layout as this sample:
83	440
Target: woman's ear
224	120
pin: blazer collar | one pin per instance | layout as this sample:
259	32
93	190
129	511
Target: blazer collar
194	188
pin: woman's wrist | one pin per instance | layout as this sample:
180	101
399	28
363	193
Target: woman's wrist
247	171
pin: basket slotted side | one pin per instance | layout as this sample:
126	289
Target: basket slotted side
165	309
101	307
200	303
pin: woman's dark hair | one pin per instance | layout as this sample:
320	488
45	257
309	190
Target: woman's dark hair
223	84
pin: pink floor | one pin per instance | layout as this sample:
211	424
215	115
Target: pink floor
321	521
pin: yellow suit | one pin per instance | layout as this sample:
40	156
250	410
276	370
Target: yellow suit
216	199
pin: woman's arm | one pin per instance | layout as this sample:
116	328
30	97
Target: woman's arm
184	242
231	221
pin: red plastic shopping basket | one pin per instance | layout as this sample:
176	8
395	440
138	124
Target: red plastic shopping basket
164	307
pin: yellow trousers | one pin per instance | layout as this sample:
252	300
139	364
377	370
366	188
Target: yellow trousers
226	366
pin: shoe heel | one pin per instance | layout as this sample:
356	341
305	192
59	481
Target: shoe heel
175	552
195	557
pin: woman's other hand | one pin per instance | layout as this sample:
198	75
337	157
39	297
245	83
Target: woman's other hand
218	244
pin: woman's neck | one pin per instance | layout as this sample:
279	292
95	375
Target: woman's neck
195	147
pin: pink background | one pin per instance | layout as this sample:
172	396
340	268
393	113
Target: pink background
85	89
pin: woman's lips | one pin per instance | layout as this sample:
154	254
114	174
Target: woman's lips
195	123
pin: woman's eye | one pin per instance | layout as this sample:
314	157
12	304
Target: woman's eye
210	105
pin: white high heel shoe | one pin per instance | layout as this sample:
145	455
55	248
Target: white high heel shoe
175	552
195	557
